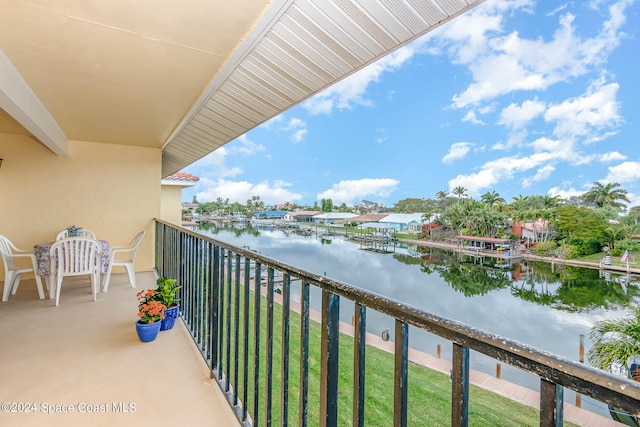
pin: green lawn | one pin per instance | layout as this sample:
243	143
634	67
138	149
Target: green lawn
429	390
634	259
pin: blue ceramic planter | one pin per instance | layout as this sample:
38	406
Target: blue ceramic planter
147	331
170	315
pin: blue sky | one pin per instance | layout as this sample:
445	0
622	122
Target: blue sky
516	96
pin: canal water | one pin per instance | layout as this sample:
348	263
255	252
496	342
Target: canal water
534	303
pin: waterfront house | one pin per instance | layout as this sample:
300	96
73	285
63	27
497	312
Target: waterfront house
300	216
333	218
404	222
360	219
270	214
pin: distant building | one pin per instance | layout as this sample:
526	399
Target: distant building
273	214
531	230
333	217
368	218
171	201
300	216
190	207
404	222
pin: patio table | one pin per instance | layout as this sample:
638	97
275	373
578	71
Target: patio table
43	259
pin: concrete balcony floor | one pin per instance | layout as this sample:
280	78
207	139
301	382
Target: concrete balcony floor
86	355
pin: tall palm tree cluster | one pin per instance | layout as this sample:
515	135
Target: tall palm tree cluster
580	225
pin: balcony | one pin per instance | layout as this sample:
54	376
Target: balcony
86	356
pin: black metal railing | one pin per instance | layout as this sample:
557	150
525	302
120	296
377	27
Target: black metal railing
229	329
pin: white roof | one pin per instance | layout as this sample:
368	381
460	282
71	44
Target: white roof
403	218
335	215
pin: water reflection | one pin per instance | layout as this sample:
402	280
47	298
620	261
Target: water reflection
543	305
562	287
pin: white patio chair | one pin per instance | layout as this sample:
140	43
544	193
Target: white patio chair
127	262
84	232
75	256
15	264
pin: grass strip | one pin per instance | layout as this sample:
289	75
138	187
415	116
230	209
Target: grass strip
429	391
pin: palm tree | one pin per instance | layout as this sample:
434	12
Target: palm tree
459	191
615	341
519	202
441	195
551	201
606	196
613	234
491	198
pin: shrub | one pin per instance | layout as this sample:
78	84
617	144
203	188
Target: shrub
547	248
628	245
584	248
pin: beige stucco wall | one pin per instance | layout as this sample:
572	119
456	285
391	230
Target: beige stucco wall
171	204
112	189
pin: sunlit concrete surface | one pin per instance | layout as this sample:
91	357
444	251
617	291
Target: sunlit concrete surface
84	356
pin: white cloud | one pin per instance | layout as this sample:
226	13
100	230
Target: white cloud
272	122
244	145
477	40
624	172
457	151
504	169
517	116
214	163
565	193
354	190
299	135
543	173
294	123
613	156
558	9
350	91
241	191
471	118
298	129
597	109
634	199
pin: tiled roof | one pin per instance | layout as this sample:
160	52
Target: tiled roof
181	176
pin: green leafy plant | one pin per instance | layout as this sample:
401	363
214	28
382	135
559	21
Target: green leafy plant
166	292
615	341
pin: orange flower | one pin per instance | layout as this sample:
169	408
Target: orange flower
149	311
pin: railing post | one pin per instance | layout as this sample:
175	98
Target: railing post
269	355
256	343
245	360
359	346
460	386
304	355
329	359
551	404
228	322
401	374
236	332
286	317
213	306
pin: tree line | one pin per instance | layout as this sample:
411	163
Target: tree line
571	227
